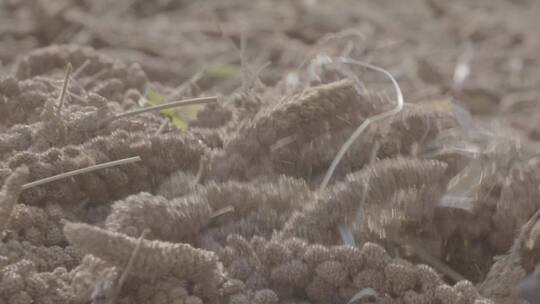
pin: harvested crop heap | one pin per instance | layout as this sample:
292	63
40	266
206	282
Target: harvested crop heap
426	206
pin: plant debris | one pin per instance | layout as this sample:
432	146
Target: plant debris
255	152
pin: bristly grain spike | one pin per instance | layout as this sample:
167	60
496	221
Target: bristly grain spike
81	171
129	266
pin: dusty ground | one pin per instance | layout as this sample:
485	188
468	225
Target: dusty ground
225	203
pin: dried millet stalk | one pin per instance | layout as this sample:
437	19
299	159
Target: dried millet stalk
160	154
45	258
44	60
93	277
412	127
16	138
261	222
519	199
259	207
82	124
39	225
181	219
166	290
155	258
501	204
281	194
212	116
213	138
281	129
293	268
403	134
317	222
502	281
53	129
77	123
409	210
178	219
21	282
21	102
9	195
178	184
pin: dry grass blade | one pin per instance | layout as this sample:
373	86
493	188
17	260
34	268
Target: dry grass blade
344	229
368	121
173	104
222	211
62	96
81	68
129	265
81	171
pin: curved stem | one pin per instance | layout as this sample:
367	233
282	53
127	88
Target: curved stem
365	123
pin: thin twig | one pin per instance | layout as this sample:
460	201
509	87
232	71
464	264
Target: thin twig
222	211
129	265
71	94
344	230
81	68
245	71
199	175
81	171
173	104
367	122
62	97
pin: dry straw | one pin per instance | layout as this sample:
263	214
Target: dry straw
172	104
81	171
365	123
62	96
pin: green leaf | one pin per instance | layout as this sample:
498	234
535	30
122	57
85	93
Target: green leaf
179	123
223	71
154	98
180	117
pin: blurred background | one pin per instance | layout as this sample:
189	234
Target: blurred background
482	52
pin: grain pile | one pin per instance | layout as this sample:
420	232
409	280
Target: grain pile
435	204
